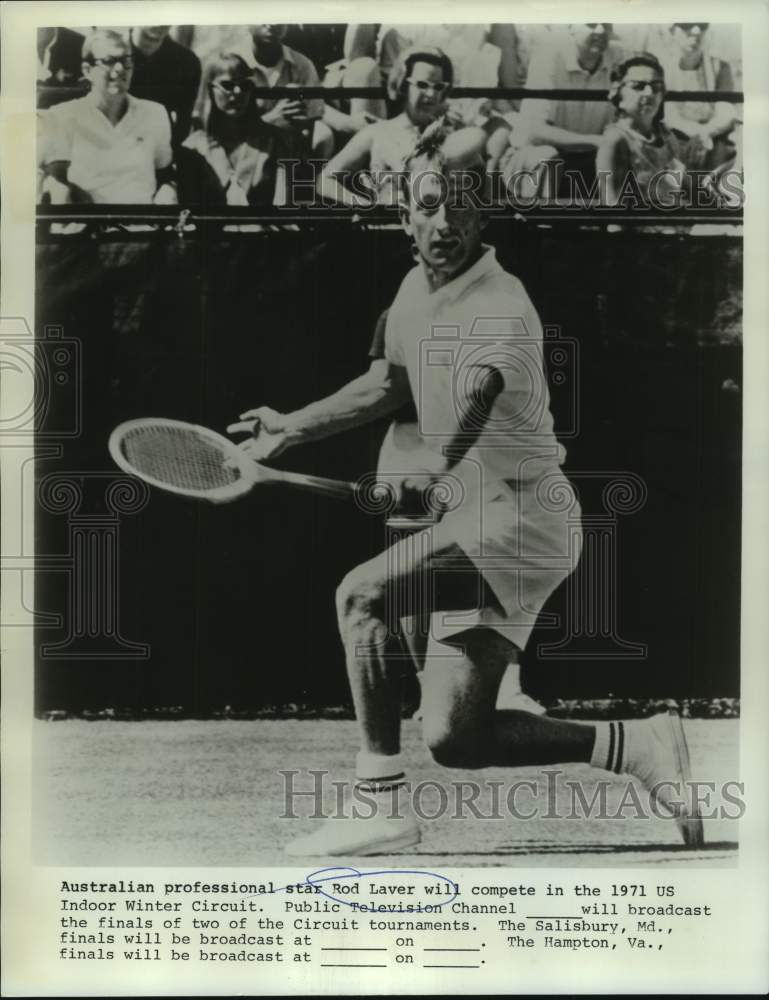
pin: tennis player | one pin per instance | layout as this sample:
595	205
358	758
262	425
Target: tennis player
464	343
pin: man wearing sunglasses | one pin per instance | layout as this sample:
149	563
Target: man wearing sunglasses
108	146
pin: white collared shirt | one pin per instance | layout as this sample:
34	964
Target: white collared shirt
115	164
447	339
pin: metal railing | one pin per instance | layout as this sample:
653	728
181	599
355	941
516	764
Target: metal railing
493	93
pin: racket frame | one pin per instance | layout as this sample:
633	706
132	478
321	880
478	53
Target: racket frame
249	470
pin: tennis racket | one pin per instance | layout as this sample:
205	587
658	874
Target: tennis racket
194	461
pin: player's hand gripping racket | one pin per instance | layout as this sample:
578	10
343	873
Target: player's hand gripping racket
197	462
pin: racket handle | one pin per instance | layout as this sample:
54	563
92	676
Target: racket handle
316	484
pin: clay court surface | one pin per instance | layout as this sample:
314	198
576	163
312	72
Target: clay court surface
208	793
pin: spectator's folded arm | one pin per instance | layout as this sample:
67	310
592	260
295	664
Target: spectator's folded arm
545	134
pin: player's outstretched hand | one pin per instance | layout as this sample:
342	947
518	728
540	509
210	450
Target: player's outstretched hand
268	430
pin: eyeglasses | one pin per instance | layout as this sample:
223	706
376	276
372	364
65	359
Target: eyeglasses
232	86
423	86
125	62
656	86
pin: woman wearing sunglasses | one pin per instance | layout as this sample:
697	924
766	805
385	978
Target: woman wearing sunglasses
638	157
233	158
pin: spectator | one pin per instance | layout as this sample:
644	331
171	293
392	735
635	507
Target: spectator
274	64
725	41
359	68
421	81
208	40
233	159
59	61
166	72
512	72
481	55
531	38
638	155
582	58
323	44
108	146
704	127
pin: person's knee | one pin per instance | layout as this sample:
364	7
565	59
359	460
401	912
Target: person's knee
455	748
362	72
359	596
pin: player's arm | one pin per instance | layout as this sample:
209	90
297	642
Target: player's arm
379	391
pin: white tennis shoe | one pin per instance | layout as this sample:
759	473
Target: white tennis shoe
355	836
659	757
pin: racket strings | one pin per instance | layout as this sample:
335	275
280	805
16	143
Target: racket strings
179	457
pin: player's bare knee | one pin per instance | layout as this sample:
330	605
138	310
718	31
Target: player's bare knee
358	598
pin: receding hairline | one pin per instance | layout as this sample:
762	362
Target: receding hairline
107	35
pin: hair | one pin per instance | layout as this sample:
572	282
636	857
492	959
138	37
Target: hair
396	84
619	73
702	25
102	35
218	65
430	147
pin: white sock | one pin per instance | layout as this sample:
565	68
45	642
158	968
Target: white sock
376	772
610	751
383	778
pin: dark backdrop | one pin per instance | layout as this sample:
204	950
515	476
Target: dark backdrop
236	602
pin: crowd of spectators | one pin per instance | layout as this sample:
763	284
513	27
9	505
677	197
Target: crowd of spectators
184	114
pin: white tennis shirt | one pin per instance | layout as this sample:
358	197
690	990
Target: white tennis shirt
517	518
447	339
